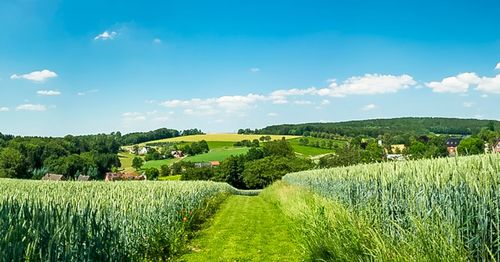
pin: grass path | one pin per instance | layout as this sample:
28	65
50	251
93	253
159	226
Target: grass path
245	229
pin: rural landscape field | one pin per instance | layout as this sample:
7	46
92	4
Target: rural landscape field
231	131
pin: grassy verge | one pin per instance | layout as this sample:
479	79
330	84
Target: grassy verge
245	229
327	231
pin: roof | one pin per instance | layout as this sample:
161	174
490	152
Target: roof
215	163
53	177
453	142
83	178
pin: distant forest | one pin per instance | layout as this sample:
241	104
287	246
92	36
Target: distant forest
376	127
71	156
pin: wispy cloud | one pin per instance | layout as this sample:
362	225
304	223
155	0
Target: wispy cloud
157	41
4	109
254	69
133	116
87	92
272	114
31	107
48	93
106	35
302	102
369	107
36	76
467	104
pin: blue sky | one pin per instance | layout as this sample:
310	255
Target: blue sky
79	67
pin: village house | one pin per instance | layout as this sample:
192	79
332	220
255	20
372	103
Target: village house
496	146
83	178
202	164
123	177
177	153
144	150
53	177
398	148
451	146
395	157
214	163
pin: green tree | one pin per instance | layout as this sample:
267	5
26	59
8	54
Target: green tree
204	173
231	171
152	173
176	168
278	148
135	149
263	172
417	150
12	164
137	163
471	146
164	170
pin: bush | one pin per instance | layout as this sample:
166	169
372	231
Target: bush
152	173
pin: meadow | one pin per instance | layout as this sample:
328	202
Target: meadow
99	221
429	210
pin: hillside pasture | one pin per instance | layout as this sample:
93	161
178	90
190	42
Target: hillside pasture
309	151
217	138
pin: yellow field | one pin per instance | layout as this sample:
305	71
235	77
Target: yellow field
217	137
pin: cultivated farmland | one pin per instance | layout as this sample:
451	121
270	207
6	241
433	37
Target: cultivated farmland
217	137
428	210
98	221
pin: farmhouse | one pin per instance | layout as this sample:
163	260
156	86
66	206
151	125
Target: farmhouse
177	153
83	178
202	164
451	146
496	146
214	163
53	177
122	177
395	157
144	150
398	148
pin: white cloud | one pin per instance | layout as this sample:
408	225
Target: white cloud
272	114
489	85
48	93
467	104
302	102
369	107
369	84
133	116
37	76
254	70
88	92
484	96
280	96
211	106
31	107
4	109
157	41
455	84
106	35
462	82
498	66
325	102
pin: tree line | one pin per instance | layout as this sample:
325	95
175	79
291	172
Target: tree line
71	156
376	127
258	168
